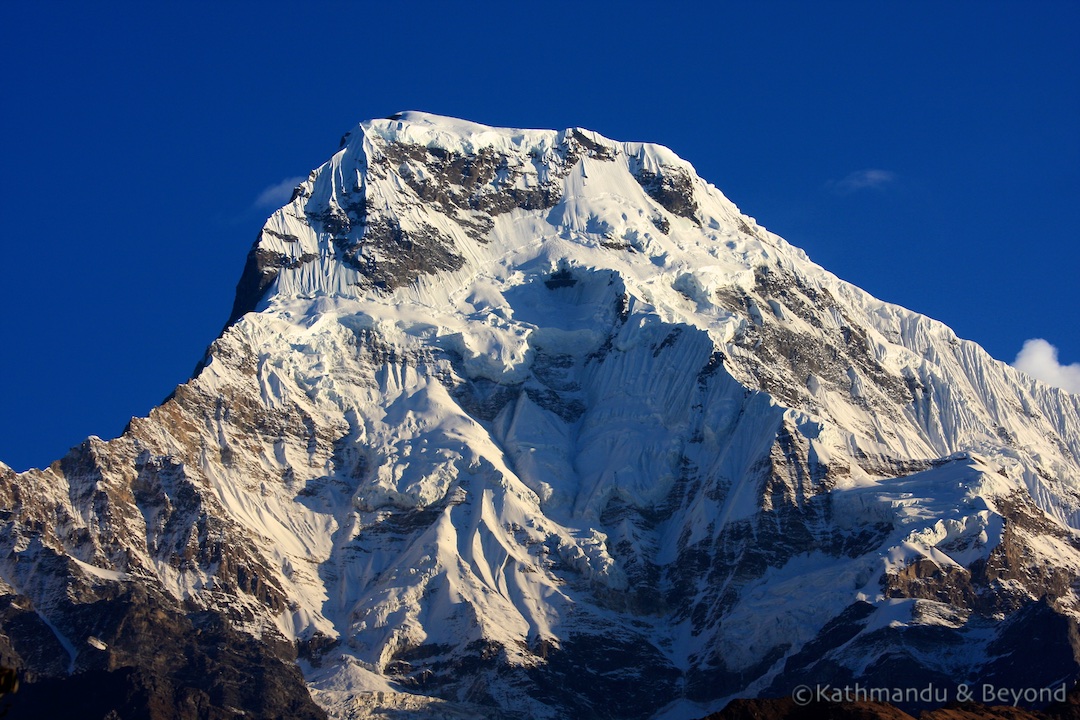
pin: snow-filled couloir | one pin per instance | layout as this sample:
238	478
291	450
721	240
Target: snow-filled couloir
538	423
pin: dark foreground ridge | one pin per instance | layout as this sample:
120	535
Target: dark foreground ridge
788	709
148	661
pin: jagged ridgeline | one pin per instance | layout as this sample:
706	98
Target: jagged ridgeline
535	424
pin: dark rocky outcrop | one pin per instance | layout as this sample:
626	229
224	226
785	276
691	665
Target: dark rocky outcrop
138	655
672	188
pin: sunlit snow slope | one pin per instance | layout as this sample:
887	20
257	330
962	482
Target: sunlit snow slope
538	423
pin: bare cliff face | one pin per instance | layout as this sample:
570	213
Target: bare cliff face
522	423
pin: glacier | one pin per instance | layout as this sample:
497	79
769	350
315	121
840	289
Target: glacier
530	423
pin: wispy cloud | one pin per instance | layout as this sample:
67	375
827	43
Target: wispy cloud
869	179
1039	359
277	195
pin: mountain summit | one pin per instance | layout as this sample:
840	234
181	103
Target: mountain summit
525	423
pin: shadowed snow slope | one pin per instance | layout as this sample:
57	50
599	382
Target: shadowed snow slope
527	423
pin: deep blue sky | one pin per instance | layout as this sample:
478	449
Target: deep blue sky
135	141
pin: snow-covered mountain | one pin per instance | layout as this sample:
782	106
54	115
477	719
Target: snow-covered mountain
535	424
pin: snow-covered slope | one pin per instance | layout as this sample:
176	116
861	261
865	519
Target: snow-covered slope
538	423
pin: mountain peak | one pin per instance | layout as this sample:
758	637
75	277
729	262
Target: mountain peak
419	194
539	421
458	126
439	228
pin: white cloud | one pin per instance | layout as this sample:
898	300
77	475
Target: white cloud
277	195
870	179
1039	359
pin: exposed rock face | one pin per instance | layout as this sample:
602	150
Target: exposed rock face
671	188
516	423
